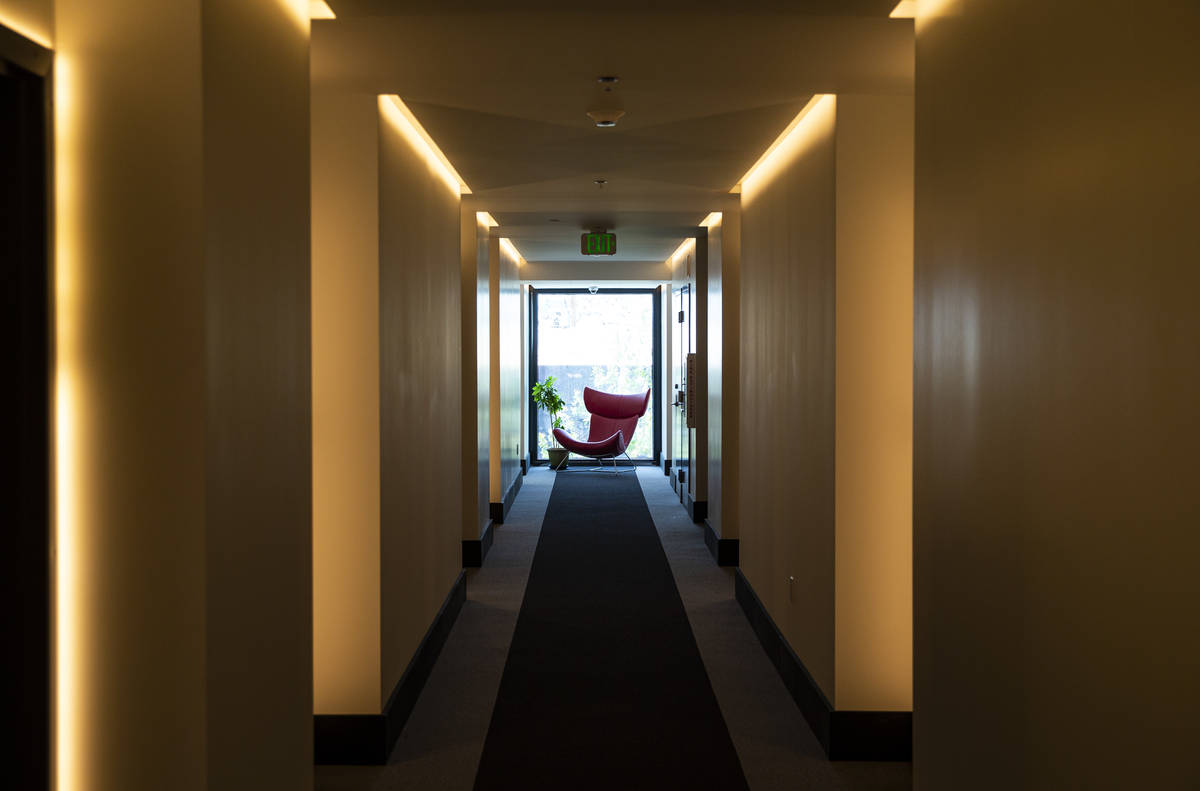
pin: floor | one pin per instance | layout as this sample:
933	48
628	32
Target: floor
443	740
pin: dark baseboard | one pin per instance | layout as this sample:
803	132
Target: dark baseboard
474	551
844	735
368	739
871	736
723	550
513	491
524	465
666	466
697	509
502	509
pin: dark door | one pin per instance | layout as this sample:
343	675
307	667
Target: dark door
25	316
683	347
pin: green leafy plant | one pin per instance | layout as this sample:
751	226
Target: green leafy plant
546	397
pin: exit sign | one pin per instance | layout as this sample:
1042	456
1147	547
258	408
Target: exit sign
598	244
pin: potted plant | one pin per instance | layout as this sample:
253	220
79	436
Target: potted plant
545	396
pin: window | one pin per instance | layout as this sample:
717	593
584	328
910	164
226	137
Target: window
607	341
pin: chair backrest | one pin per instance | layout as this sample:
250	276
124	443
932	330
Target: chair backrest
612	413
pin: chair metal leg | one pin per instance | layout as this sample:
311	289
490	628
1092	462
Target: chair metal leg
615	469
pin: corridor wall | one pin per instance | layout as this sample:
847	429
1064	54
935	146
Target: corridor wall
825	389
506	397
475	408
347	478
183	543
1056	390
724	353
386	372
420	387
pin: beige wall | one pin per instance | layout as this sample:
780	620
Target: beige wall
826	382
476	377
258	440
787	393
724	318
346	401
1056	390
420	386
873	410
33	19
182	396
387	399
505	375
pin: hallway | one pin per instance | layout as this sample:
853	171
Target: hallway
441	745
298	293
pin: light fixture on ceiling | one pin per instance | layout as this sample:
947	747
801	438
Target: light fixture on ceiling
592	289
600	183
607	108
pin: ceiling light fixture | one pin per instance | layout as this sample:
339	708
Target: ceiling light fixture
607	108
712	220
600	182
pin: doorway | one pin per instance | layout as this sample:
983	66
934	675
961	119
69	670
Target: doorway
26	316
607	339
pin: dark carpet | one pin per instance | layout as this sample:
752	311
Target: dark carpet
604	687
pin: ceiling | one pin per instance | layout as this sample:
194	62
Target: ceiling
349	8
705	93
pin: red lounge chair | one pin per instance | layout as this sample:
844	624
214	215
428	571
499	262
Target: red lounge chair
614	419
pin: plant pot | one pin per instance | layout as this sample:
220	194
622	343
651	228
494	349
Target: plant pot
558	458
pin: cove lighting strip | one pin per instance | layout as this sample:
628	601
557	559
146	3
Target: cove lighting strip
795	136
24	29
680	251
319	9
712	220
486	220
397	112
71	626
787	133
905	9
507	246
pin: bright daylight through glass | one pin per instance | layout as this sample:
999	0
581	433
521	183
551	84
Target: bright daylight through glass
603	341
